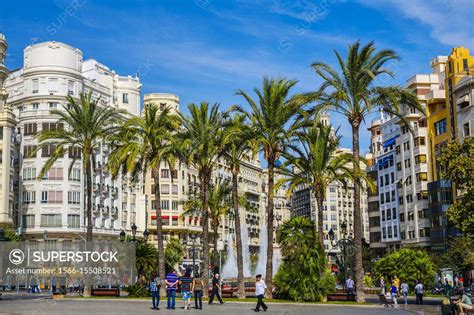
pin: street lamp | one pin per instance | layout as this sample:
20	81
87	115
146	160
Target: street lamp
45	235
344	244
331	236
122	236
193	237
145	235
344	228
134	231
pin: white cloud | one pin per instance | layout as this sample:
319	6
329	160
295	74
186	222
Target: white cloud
450	21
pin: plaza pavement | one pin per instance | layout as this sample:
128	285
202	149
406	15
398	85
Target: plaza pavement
137	307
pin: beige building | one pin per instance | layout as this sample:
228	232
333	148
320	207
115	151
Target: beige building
7	147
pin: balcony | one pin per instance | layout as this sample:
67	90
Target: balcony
114	211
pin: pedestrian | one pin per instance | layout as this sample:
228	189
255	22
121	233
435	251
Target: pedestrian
396	282
186	282
382	285
155	284
404	291
464	304
419	292
461	282
197	288
350	286
216	289
171	281
394	291
448	287
260	288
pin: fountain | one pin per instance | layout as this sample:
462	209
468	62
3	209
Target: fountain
229	270
245	250
262	253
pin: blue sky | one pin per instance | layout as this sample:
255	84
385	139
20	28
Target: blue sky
206	49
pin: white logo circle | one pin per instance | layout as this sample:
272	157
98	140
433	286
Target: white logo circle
16	256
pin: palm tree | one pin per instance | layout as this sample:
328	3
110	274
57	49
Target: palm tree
356	92
315	163
273	119
146	259
219	205
80	129
201	140
238	146
142	144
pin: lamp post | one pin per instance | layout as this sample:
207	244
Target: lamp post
145	235
45	235
193	237
122	236
134	231
344	244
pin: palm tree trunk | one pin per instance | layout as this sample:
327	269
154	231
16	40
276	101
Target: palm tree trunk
204	182
215	229
87	160
357	217
238	235
269	264
159	226
319	201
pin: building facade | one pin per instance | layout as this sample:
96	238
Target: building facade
53	207
7	149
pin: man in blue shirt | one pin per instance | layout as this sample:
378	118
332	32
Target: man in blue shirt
155	285
171	281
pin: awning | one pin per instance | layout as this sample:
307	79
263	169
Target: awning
389	142
153	217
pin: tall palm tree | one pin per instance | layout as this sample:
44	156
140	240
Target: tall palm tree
219	205
356	92
143	144
81	127
238	146
201	140
315	163
273	119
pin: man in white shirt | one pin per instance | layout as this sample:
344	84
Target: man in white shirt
350	286
260	288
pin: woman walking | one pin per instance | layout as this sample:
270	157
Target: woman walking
197	288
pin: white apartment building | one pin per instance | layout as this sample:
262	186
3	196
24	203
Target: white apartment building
387	183
464	94
55	205
7	148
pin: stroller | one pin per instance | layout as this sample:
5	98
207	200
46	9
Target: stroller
386	300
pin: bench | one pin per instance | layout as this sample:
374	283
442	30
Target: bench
105	292
341	297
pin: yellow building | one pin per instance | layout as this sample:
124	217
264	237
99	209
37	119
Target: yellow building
442	128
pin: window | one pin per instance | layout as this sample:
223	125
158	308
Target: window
174	221
125	98
73	221
389	214
394	213
420	141
28	151
174	205
75	175
174	189
404	129
389	232
332	189
165	189
466	129
30	129
50	220
52	126
165	173
53	85
29	221
420	158
333	217
74	152
406	146
382	199
397	148
73	197
409	198
34	86
407	163
383	215
393	195
465	65
399	166
411	216
29	173
28	197
440	127
421	177
402	217
408	182
387	179
423	213
384	232
387	196
35	106
174	174
51	197
70	87
392	177
381	181
165	204
48	150
402	235
53	105
400	200
54	173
